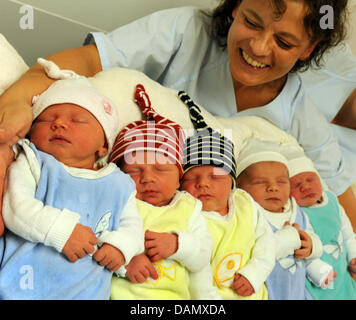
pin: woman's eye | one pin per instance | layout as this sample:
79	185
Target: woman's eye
283	44
250	23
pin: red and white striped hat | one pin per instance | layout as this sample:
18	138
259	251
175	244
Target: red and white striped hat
156	133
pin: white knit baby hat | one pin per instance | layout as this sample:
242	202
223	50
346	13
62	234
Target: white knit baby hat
75	89
299	165
258	150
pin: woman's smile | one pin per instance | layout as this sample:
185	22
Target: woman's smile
251	62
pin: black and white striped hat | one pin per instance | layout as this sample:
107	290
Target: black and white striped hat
206	146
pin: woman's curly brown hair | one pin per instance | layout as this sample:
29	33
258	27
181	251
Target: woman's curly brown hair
326	39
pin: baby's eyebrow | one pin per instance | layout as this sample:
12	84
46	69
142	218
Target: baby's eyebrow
257	178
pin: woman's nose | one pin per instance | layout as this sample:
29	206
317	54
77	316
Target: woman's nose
261	44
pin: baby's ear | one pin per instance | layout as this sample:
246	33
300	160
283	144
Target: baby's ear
102	151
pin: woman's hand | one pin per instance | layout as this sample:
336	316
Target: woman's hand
15	122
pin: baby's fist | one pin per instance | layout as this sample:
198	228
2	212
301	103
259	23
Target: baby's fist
242	286
110	257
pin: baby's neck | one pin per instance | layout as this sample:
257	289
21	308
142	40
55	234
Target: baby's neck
278	211
224	212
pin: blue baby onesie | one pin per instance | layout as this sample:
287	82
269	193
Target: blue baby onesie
287	280
34	271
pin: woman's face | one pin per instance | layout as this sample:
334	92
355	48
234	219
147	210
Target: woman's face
263	49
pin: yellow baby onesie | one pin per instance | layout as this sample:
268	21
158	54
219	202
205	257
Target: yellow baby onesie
173	278
233	242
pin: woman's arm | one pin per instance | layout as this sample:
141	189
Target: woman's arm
346	117
15	102
348	202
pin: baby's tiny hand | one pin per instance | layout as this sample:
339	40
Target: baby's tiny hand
140	268
160	245
110	257
80	243
352	268
242	286
352	265
329	279
307	245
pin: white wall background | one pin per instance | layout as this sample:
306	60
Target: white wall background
352	25
61	24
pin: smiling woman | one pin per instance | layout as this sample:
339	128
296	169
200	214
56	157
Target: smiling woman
222	20
266	40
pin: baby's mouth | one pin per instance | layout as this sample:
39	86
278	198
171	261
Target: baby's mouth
59	138
150	192
310	195
204	196
273	199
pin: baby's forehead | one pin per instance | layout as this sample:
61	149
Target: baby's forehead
261	166
305	175
143	157
206	169
62	108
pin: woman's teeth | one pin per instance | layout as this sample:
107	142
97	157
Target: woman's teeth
252	62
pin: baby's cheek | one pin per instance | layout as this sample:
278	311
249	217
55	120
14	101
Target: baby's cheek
186	186
294	193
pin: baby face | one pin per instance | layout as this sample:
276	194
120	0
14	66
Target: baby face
71	134
268	184
211	185
306	188
156	177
